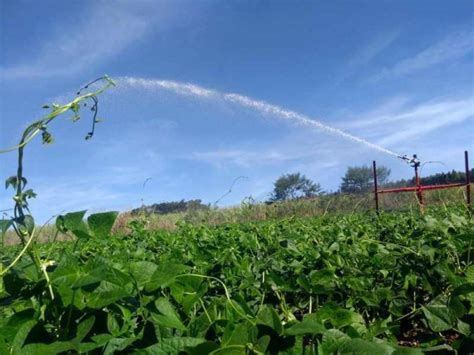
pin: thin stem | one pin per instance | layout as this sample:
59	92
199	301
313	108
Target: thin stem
205	311
56	113
227	294
18	257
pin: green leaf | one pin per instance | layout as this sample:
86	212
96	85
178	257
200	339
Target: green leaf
27	224
11	181
72	221
29	194
4	225
101	224
4	349
57	347
262	343
142	272
269	317
164	275
338	317
84	328
360	346
13	283
400	350
309	325
470	273
235	334
168	316
112	324
11	327
102	339
106	293
22	334
171	346
116	345
204	348
464	289
463	328
439	317
332	340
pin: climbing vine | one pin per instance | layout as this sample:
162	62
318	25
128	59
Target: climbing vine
22	221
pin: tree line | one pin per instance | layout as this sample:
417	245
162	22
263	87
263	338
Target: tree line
357	179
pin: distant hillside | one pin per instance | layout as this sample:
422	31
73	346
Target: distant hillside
171	207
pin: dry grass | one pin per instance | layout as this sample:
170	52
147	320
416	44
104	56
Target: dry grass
326	204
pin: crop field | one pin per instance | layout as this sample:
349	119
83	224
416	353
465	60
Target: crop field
398	283
319	276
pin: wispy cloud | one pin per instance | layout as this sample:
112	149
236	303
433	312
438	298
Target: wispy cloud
106	30
391	123
242	157
292	150
365	55
452	47
374	48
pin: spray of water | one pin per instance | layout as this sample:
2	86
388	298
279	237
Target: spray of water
188	89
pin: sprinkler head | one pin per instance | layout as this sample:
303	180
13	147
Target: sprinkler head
415	162
404	157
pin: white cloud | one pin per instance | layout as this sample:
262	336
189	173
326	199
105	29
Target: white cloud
104	31
391	124
452	47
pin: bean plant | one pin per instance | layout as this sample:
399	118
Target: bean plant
22	221
394	283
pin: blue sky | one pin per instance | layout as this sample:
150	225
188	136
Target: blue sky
396	73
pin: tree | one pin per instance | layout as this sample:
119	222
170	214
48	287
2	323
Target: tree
360	178
294	186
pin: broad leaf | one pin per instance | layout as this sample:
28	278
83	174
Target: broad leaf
167	316
309	325
439	317
163	276
71	222
269	317
171	346
360	346
4	225
101	224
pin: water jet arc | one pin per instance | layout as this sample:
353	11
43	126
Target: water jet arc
188	89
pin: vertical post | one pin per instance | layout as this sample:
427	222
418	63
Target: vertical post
419	192
468	179
376	191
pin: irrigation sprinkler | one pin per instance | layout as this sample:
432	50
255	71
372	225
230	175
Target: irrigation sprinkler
415	163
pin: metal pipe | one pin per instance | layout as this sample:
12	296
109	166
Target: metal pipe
440	187
419	193
376	194
468	179
419	188
398	189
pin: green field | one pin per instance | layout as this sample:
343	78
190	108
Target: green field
398	283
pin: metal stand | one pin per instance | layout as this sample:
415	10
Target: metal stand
419	188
